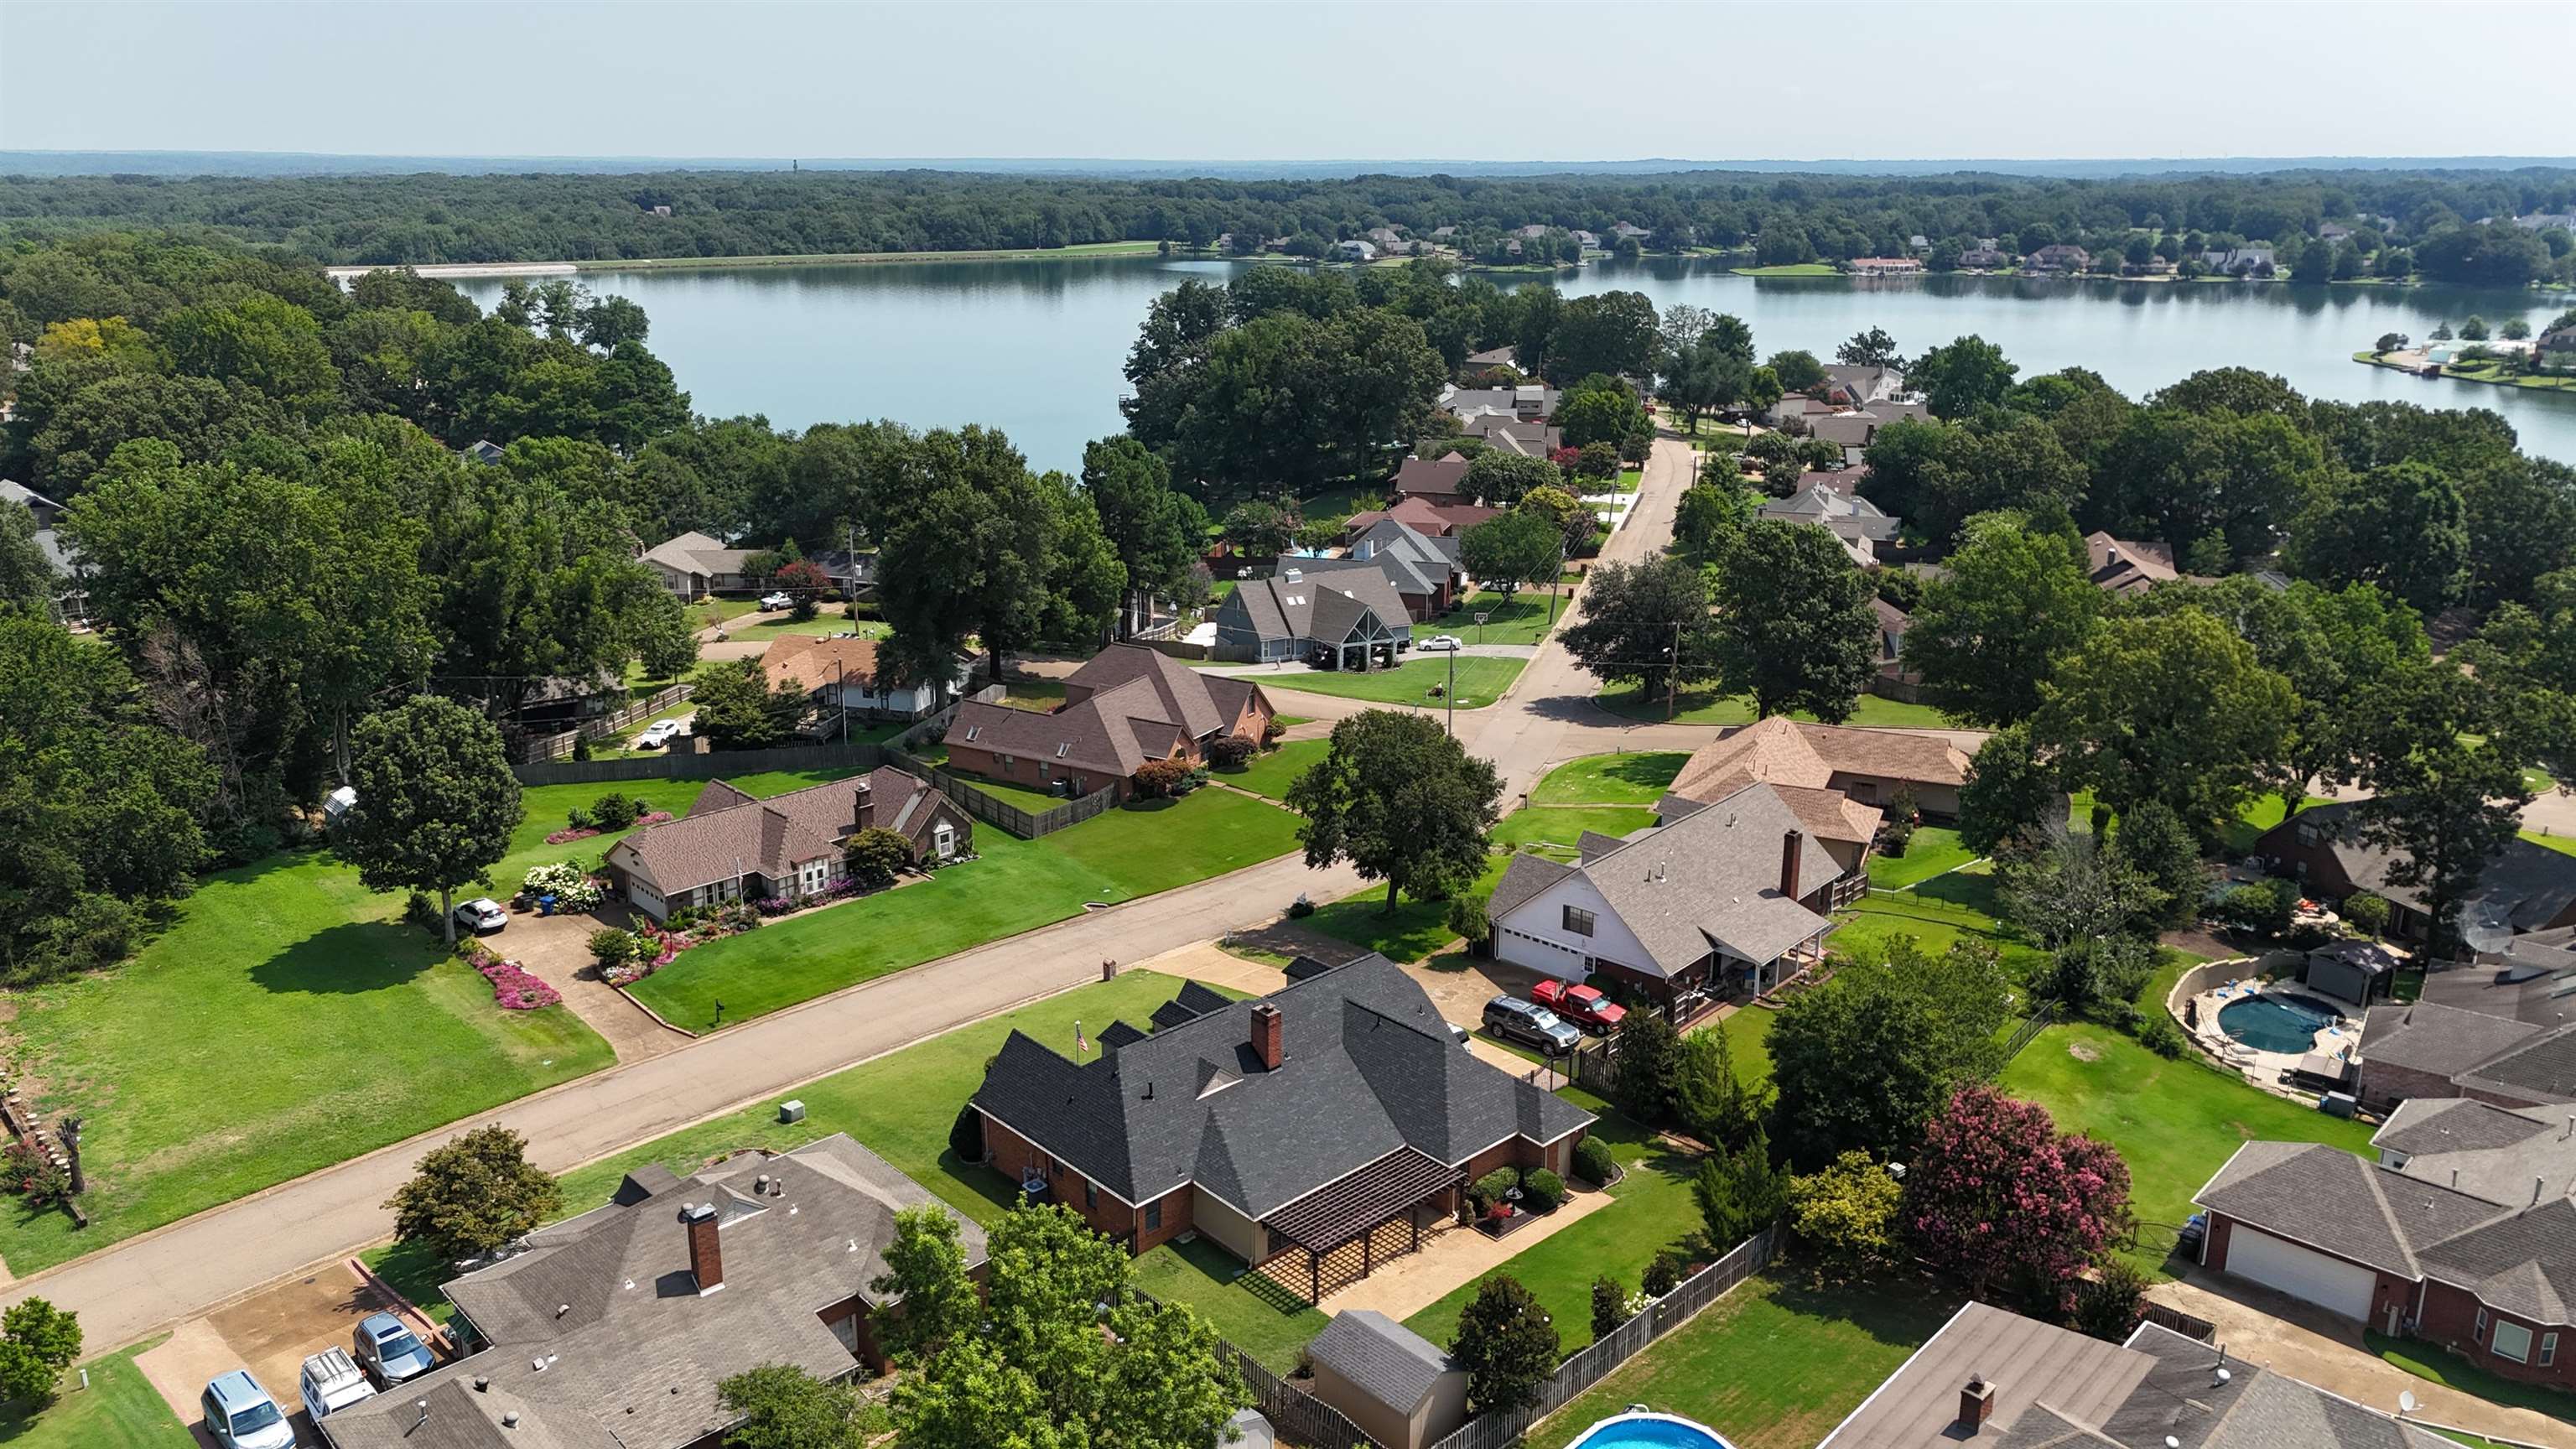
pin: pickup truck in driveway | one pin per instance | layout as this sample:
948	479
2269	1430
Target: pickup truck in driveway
1585	1006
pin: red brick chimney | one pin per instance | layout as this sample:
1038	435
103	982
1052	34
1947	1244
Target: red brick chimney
1976	1403
1266	1042
1790	843
706	1254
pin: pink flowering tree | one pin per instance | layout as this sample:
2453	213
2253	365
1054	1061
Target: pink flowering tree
1998	1196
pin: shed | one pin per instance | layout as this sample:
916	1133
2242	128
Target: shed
2355	971
1397	1386
1248	1430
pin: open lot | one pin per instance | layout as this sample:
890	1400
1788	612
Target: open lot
1012	886
1520	619
1696	706
1480	681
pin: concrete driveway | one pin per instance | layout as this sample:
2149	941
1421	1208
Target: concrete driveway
556	950
269	1333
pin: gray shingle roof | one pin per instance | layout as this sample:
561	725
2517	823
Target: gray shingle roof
2443	1040
1369	1067
2524	888
1324	608
1129	704
1380	1357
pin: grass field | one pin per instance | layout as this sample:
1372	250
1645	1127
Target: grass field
1270	774
1789	269
1480	681
1036	802
1520	619
1775	1364
119	1410
1561	826
2259	815
1013	886
1937	912
1933	851
821	626
1622	779
1412	932
1707	707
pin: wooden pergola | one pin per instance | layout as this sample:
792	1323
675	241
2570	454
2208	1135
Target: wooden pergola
1347	1213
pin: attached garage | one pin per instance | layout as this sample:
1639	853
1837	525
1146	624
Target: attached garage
2303	1273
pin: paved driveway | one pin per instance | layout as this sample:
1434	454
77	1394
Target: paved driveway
268	1333
556	950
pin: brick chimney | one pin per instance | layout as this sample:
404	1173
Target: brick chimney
1976	1403
1266	1043
866	808
1791	842
706	1254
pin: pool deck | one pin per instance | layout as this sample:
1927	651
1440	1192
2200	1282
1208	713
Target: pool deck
2265	1069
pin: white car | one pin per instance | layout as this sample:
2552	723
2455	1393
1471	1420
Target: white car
659	733
1440	644
772	603
482	915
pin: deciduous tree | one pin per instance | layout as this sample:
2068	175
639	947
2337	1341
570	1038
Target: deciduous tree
2014	602
472	1194
436	801
2173	708
1506	552
1400	800
784	1407
1958	379
1648	622
1507	1344
1866	1064
1794	628
1998	1196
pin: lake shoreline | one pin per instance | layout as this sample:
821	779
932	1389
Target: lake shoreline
2445	374
486	271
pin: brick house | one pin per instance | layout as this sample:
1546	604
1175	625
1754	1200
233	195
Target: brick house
1126	706
1310	1132
2462	1233
1870	766
2524	888
732	846
843	673
2494	1030
616	1326
1352	618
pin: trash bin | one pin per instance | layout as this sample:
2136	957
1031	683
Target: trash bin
545	905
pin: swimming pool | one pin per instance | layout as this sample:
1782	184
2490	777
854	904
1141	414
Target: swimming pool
2275	1022
1650	1431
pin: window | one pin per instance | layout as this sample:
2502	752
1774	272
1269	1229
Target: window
1153	1217
2548	1349
1578	920
1090	1196
2512	1341
972	731
2479	1332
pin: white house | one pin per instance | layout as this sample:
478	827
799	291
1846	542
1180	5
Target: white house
843	674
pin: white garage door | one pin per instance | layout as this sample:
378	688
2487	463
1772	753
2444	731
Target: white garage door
2309	1276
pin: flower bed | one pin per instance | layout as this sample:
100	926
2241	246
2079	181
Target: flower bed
512	987
652	818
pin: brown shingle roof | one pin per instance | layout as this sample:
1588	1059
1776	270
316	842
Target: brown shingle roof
727	831
1783	751
1129	704
809	661
1435	476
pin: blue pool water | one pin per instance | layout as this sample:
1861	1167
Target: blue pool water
1649	1431
2275	1023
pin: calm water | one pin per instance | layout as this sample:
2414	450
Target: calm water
1035	347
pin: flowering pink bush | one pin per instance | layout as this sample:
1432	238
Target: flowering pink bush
654	817
1997	1196
514	988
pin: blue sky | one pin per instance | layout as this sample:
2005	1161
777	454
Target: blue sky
1238	79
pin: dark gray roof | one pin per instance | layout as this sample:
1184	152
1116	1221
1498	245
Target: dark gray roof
1525	877
1381	1357
2327	1198
1326	609
2523	888
2443	1040
1369	1068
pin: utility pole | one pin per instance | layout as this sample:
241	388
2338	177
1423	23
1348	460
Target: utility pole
1673	672
1453	692
841	695
1556	580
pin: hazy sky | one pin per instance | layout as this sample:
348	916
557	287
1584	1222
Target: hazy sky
1234	79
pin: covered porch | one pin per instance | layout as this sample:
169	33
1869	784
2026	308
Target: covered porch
1338	1234
1369	645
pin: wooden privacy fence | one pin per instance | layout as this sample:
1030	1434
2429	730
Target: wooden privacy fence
1594	1363
557	747
993	810
704	765
1300	1417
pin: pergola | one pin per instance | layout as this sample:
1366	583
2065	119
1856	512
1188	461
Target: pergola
1346	1213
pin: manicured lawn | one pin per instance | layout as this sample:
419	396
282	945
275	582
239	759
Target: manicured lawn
1036	802
119	1410
1520	619
1621	779
544	808
1271	774
2428	1361
1248	1310
1775	1364
1336	504
2260	814
1013	886
2563	844
1931	852
901	1105
1035	695
1562	826
2174	1122
1630	478
822	625
1480	681
1936	913
1412	932
1748	1039
1651	1208
1706	707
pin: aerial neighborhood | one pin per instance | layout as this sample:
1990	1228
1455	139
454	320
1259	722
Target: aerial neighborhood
1456	852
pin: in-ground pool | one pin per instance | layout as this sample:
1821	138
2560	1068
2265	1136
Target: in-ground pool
2275	1022
1650	1431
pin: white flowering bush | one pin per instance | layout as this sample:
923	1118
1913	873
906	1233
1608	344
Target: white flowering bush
570	885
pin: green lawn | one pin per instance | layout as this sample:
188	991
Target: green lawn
1622	779
2260	814
1695	706
822	625
1936	913
544	808
1335	504
1775	1364
119	1410
1248	1310
1563	825
1036	695
1789	269
1748	1037
1651	1208
1013	886
1480	681
1270	774
1520	619
2174	1122
1412	932
1933	851
2563	844
1036	802
2431	1362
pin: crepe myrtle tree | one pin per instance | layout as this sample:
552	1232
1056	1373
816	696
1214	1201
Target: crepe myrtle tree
436	801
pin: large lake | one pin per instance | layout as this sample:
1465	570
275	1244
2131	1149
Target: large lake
1034	348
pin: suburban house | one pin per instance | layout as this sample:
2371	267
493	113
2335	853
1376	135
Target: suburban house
1384	238
694	566
2495	1031
1126	706
1434	479
1528	402
1886	267
1870	766
1310	1132
614	1328
1514	434
1424	569
2123	567
1492	357
2062	257
2461	1233
731	846
71	596
1857	522
2239	260
1423	515
2333	231
1354	251
1728	900
1860	384
1984	258
483	451
1625	232
1353	619
1892	624
1993	1376
842	674
1400	1388
2522	889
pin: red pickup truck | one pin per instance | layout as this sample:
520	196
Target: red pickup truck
1585	1006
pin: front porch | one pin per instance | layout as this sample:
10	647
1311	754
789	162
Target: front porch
1337	1234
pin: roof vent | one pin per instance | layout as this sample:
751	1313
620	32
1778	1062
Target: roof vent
482	1385
510	1420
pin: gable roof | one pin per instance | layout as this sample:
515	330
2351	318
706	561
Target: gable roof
1326	611
2125	566
1782	751
1423	515
813	662
1849	515
696	552
1436	477
1368	1069
1381	1358
727	832
1127	705
1825	814
2523	888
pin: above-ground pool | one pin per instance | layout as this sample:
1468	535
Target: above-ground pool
1650	1431
2276	1022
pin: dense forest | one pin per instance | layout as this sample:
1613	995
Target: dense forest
443	218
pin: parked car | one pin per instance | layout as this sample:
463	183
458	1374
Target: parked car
1513	1019
331	1381
659	733
771	603
390	1350
1441	644
482	915
241	1415
1585	1006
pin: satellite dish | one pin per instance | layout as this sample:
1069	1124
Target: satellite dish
2406	1401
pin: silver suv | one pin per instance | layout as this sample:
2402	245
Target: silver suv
389	1350
1513	1019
